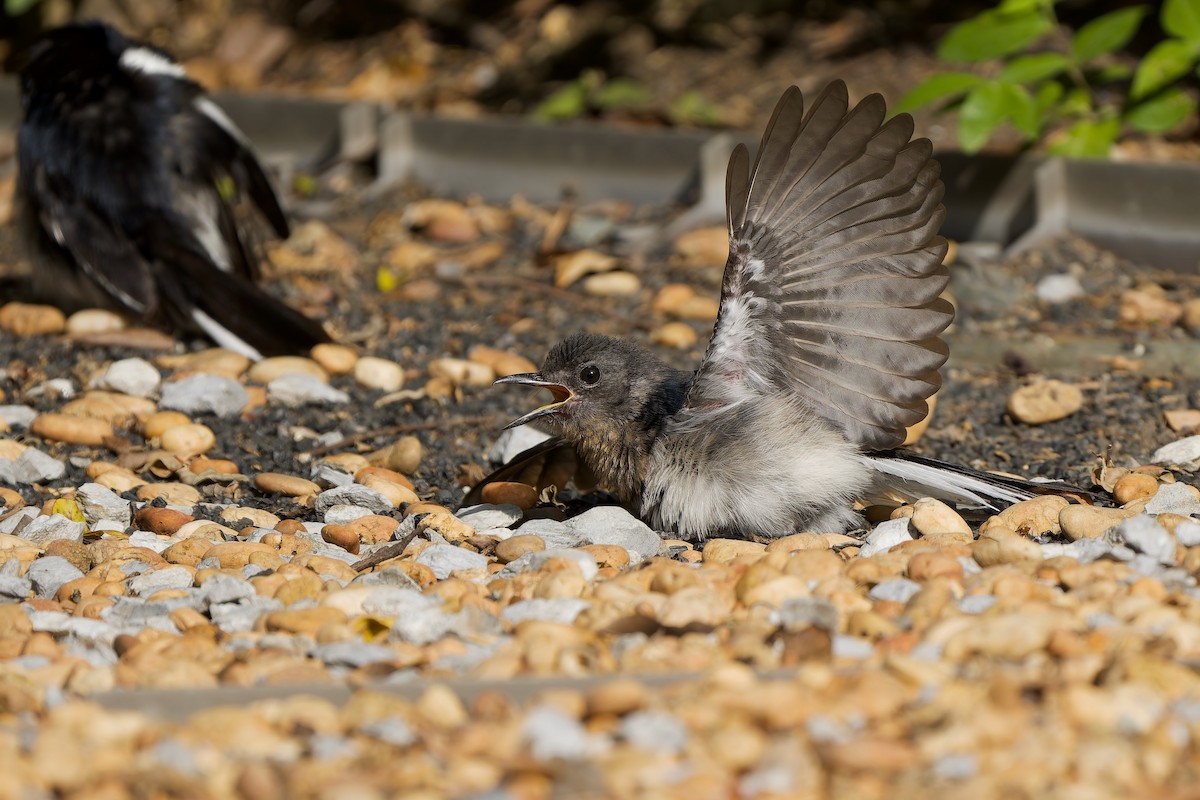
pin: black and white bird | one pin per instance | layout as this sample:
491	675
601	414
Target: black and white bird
827	347
129	175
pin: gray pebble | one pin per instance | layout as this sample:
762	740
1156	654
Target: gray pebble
302	390
133	614
49	621
1058	288
17	417
552	734
956	767
886	536
900	590
514	442
1182	452
391	576
353	654
976	603
533	561
615	525
48	573
390	730
1174	498
221	588
1145	535
422	627
134	376
801	613
486	516
1188	533
20	519
32	466
205	394
555	534
852	647
241	616
444	559
150	541
13	587
99	503
354	494
654	730
328	476
167	578
395	601
559	609
44	530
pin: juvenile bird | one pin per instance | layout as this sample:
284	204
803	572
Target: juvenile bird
128	175
826	346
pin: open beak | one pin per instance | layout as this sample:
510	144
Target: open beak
561	395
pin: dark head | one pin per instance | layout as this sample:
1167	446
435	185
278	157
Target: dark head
72	54
598	382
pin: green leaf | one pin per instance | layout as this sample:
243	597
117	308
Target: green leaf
15	8
1106	34
1019	6
690	108
1162	112
1047	96
981	113
1088	139
992	34
622	93
1112	72
1030	69
1182	18
936	88
1018	107
569	102
1077	102
1165	62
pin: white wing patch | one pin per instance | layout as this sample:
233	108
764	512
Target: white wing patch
148	62
223	336
213	111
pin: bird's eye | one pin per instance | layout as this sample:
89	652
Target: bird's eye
590	375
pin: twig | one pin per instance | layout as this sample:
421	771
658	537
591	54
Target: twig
384	553
391	430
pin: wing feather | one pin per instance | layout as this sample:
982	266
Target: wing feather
833	282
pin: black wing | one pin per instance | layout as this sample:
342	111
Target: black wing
832	285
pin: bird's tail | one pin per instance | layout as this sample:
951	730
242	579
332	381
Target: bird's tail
912	476
229	309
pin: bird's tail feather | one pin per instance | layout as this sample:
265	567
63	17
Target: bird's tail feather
913	476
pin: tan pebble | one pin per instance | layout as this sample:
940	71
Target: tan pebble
1088	522
722	550
704	247
326	566
373	528
398	494
378	373
120	480
696	606
385	474
303	587
461	372
933	516
1182	420
349	463
163	521
159	422
671	297
608	555
999	545
514	547
799	541
775	591
612	284
290	485
239	554
678	335
617	697
425	507
700	309
269	369
871	754
94	320
257	517
10	499
12	449
446	525
1044	401
501	362
930	565
914	432
305	620
205	529
188	552
28	319
560	584
341	536
817	565
403	455
570	267
336	359
442	708
221	466
1135	486
188	439
71	429
1030	517
1148	304
1191	315
76	590
521	495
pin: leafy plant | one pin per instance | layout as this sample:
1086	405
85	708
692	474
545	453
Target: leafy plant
592	92
1060	86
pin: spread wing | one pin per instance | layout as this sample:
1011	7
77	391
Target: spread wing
831	289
